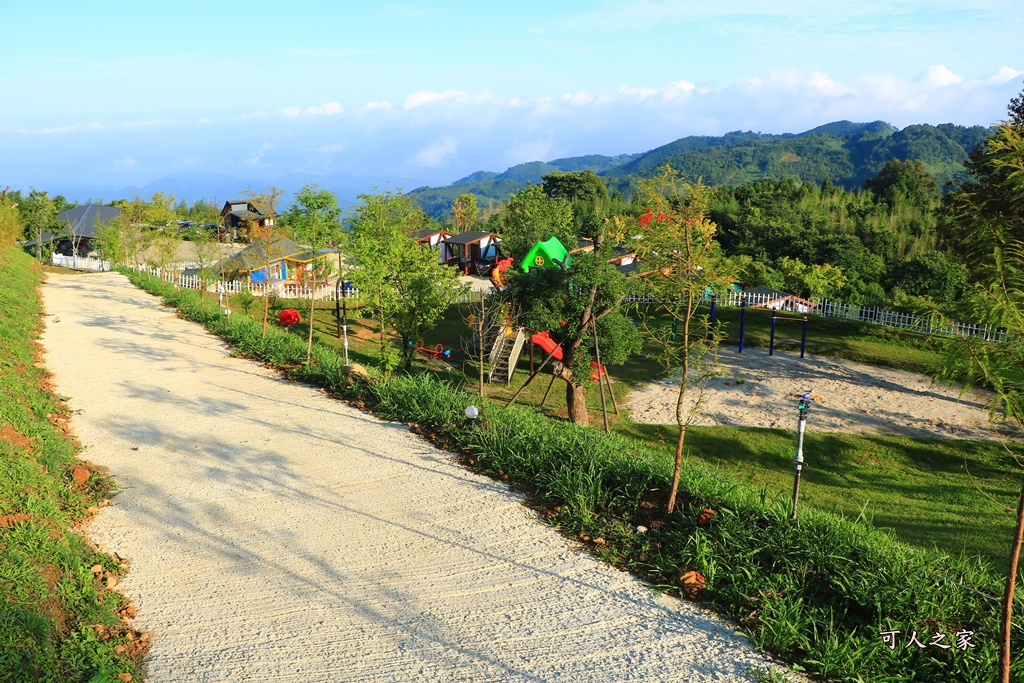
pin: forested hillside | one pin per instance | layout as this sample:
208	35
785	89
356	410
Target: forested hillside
845	153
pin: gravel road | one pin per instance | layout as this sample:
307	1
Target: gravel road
278	535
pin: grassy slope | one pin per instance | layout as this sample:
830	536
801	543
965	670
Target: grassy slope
51	601
918	487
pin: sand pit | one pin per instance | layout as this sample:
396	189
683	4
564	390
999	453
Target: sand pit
851	397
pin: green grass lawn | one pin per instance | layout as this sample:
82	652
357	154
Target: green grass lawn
920	488
58	622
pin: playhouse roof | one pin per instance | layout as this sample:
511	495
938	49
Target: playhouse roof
550	252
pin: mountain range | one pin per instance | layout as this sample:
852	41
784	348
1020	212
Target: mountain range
844	152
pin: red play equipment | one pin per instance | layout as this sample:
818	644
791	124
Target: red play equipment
288	317
496	273
436	352
544	341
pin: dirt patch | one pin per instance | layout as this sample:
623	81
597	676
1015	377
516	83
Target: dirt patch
758	390
16	438
10	520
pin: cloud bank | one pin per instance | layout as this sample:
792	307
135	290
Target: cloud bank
442	135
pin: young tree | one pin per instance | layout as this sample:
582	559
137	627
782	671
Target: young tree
676	242
570	302
1001	290
38	214
464	213
267	234
402	281
314	218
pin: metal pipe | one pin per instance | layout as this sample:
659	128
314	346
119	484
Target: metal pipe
771	337
798	461
803	338
743	317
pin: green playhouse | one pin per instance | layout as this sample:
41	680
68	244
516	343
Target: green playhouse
545	254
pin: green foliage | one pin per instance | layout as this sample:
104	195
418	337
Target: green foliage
530	217
10	225
583	186
907	179
51	600
403	281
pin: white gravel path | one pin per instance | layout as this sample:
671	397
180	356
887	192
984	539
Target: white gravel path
278	535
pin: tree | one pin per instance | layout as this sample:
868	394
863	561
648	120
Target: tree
402	281
583	186
38	215
314	218
908	179
571	301
530	216
464	213
268	234
677	243
1001	296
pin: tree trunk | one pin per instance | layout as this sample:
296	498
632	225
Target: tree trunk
575	395
1011	579
312	317
681	421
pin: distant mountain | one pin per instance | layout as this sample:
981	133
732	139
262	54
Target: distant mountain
493	188
845	152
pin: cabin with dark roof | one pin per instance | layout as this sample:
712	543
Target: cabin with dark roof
435	239
79	236
241	215
474	251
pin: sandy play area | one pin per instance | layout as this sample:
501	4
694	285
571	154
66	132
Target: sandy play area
850	397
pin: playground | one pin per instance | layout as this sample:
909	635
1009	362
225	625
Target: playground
758	390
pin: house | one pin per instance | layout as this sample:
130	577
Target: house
582	245
766	297
286	261
241	215
82	224
435	239
624	256
473	251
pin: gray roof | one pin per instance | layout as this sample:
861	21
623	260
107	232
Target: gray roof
253	257
83	221
423	233
468	237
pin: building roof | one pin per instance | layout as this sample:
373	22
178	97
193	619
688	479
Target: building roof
82	221
254	256
424	233
469	237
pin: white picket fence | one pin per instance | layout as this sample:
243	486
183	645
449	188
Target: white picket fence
924	324
79	262
288	290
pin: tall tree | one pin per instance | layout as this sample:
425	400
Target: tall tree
569	301
1001	295
38	214
530	216
315	220
676	242
465	213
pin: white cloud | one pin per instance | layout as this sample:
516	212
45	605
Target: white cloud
378	104
73	128
532	150
941	77
826	86
326	109
291	111
1005	74
124	164
204	120
153	123
435	155
254	158
578	99
333	149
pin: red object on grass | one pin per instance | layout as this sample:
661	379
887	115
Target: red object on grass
288	317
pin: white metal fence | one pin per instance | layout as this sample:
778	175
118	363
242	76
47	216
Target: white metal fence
924	324
289	290
79	262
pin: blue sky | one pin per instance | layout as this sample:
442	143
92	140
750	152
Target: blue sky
117	93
